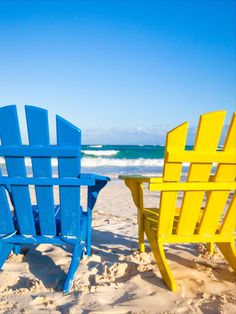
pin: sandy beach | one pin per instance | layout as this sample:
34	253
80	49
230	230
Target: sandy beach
117	278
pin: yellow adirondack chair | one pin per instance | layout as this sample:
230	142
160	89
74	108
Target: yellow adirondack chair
212	221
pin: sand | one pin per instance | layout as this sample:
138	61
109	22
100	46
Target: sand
117	278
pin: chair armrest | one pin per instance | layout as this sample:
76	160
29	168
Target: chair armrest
135	184
93	191
93	176
141	179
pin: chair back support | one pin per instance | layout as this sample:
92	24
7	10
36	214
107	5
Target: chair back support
40	152
201	210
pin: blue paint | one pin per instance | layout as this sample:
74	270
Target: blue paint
65	223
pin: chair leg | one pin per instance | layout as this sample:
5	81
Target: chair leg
141	231
210	248
159	254
17	249
76	257
89	234
88	245
229	252
5	250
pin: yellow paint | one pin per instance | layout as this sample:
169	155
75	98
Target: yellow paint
207	157
207	139
212	221
193	186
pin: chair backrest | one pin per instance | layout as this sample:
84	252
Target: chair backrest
40	152
202	211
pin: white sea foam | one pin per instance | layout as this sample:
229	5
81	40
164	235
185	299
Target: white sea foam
140	162
100	152
96	146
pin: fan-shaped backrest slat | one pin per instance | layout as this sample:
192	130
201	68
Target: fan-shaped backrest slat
207	139
69	135
10	135
217	200
38	133
176	140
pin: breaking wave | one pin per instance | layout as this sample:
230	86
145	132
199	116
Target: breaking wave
140	162
100	152
96	146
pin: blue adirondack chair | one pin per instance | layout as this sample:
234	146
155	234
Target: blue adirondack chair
65	223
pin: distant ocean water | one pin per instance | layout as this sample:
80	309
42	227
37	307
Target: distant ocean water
123	158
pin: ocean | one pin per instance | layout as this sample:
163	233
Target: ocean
123	159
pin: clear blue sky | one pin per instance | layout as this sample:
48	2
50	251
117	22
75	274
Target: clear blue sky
123	71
